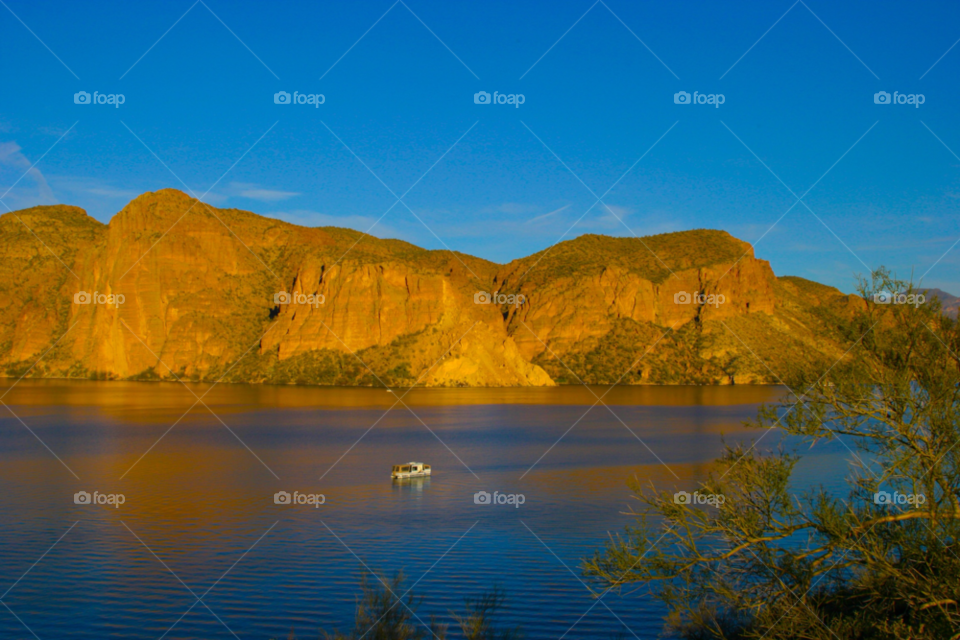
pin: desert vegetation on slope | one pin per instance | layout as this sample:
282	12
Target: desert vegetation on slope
201	300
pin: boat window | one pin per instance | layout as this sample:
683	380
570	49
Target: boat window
396	468
405	467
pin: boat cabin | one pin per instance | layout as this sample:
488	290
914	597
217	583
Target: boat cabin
410	470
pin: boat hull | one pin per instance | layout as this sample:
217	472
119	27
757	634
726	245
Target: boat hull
410	474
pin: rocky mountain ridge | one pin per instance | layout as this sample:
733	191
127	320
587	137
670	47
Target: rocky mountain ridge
202	293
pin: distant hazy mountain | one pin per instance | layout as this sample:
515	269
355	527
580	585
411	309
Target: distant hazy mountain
950	303
201	292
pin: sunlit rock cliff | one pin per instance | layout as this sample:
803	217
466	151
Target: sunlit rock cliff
174	288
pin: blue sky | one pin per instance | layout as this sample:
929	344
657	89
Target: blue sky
880	183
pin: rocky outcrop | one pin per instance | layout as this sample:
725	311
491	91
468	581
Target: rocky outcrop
182	289
356	306
586	303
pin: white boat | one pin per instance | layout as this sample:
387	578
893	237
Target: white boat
410	470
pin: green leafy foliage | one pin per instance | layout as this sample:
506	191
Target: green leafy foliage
770	563
386	611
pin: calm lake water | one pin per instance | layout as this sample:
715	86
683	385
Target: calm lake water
198	498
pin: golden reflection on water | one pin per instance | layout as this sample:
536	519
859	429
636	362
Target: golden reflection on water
199	470
152	402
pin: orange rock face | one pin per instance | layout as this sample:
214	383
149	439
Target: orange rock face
181	289
570	309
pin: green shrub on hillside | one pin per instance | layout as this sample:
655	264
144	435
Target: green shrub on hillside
769	563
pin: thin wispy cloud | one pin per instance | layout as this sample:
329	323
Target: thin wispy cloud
516	208
11	156
547	215
268	195
107	192
101	198
612	212
310	218
250	191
